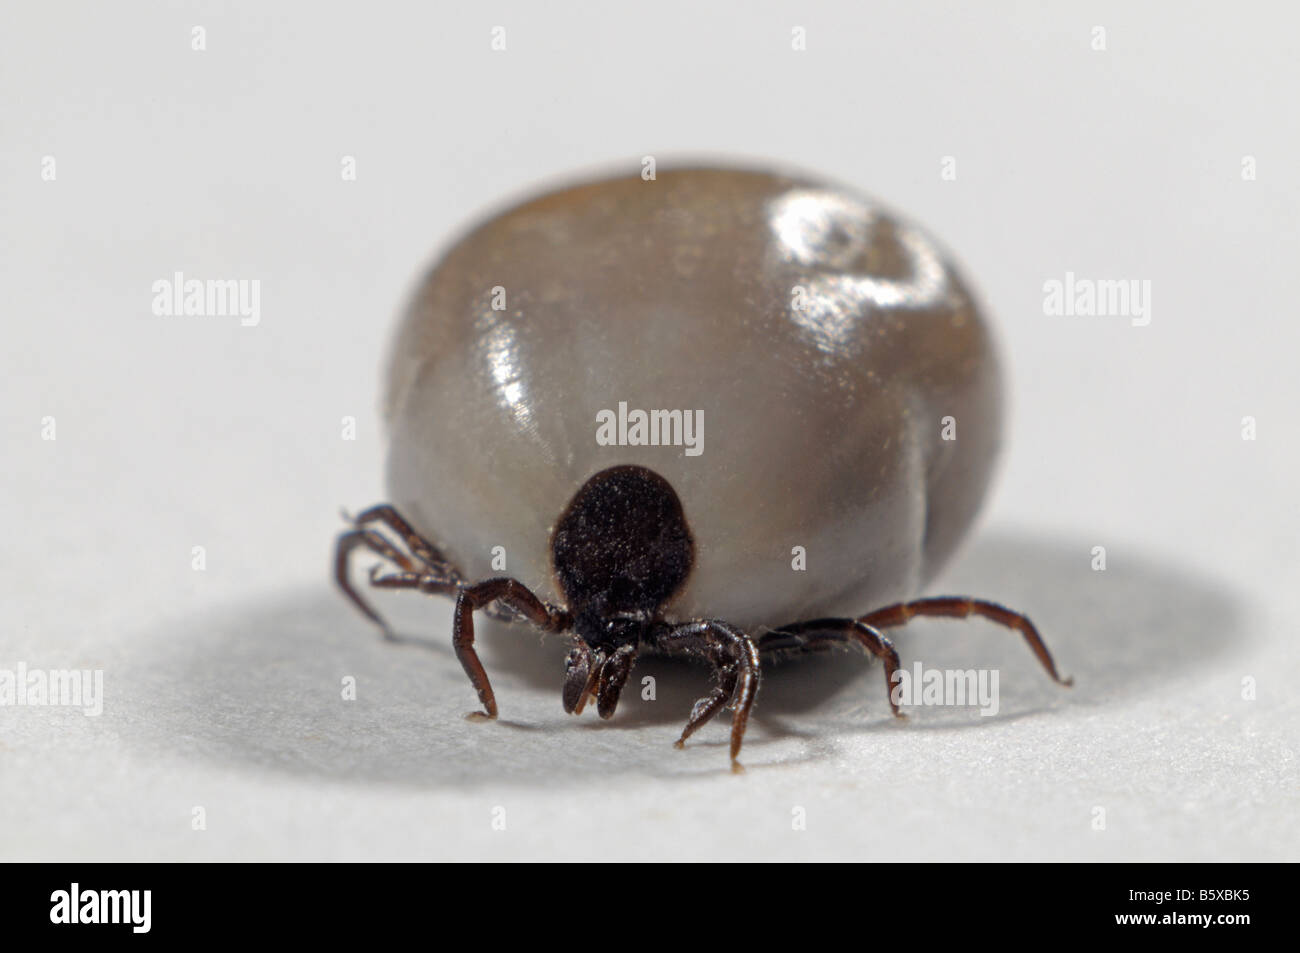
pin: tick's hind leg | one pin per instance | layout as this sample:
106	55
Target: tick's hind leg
959	607
820	634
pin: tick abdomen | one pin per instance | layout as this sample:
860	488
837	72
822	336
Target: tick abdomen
822	343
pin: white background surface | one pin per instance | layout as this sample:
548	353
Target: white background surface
223	686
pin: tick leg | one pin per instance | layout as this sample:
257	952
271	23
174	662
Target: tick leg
819	634
512	593
710	704
713	640
437	573
367	539
959	607
421	548
429	585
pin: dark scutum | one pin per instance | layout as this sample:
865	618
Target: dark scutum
621	550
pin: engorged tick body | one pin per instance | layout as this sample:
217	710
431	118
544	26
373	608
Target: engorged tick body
844	377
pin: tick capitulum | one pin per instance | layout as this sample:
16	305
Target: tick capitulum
621	550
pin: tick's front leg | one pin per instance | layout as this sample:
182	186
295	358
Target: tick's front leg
710	704
470	598
711	639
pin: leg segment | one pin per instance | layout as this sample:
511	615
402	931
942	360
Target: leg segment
818	634
426	568
725	647
514	594
710	704
364	539
423	550
959	607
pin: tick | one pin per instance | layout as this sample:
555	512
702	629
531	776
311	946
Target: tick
842	372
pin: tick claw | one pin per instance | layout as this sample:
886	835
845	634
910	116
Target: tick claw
479	716
737	767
